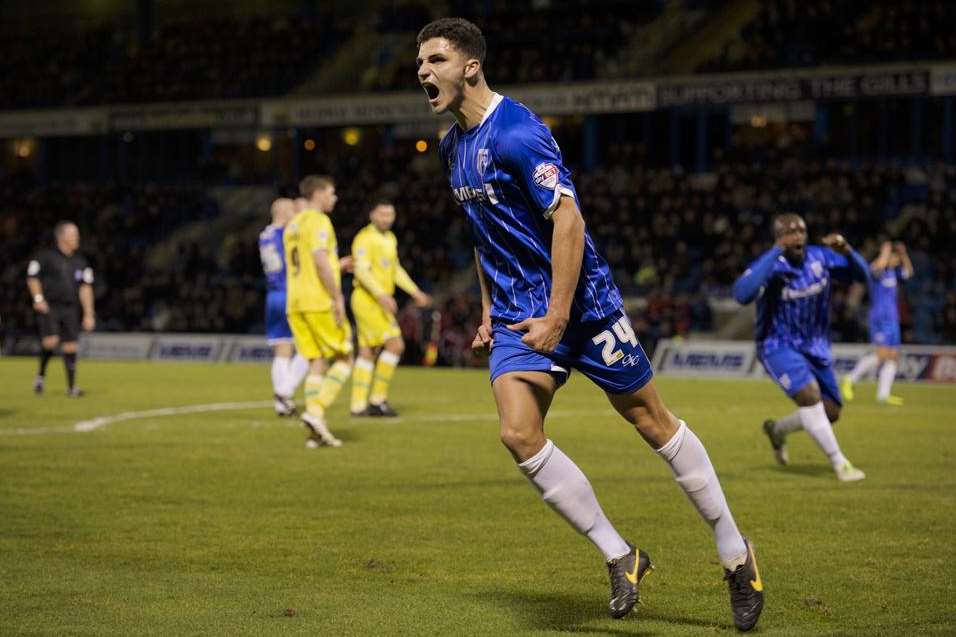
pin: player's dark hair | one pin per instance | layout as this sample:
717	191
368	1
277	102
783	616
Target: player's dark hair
461	33
59	226
311	183
381	201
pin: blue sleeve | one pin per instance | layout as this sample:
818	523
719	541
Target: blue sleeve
747	286
533	158
852	264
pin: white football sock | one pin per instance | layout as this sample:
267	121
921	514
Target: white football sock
566	489
688	459
887	376
816	423
295	373
864	366
278	373
788	424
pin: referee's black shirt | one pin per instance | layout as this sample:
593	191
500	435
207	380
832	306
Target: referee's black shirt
60	275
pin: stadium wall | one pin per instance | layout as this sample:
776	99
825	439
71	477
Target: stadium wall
737	359
673	357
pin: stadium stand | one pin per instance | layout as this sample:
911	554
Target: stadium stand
787	33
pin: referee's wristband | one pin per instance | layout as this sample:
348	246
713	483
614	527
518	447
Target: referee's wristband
38	298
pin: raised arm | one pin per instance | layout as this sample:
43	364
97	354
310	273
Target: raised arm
747	286
882	261
905	262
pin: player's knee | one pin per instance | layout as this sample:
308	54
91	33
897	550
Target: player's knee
69	347
522	441
50	342
833	411
395	346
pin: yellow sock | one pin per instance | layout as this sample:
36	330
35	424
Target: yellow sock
384	370
361	379
313	384
332	385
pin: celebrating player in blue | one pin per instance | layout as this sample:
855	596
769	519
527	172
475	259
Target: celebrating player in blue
550	305
791	283
891	267
288	370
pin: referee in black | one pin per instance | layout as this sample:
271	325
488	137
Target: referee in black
60	280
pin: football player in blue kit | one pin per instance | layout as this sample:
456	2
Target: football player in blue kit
549	305
288	368
791	283
887	272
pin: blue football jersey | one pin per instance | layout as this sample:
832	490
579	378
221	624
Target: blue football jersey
884	289
508	176
793	301
272	255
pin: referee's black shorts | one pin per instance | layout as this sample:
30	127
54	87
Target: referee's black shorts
62	321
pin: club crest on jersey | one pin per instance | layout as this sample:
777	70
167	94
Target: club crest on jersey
816	267
546	176
483	160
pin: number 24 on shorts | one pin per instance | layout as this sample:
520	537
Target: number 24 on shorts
620	332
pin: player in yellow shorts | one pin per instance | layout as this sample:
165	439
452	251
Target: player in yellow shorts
377	271
315	305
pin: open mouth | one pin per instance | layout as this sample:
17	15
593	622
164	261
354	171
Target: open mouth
431	91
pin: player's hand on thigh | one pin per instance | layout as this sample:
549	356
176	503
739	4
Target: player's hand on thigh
89	323
483	339
543	334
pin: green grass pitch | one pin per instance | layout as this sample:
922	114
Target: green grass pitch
222	523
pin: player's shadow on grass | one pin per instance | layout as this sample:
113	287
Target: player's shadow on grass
7	413
569	613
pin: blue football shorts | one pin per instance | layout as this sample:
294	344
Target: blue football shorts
885	333
793	370
606	351
277	325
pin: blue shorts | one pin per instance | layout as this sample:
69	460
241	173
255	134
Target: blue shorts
277	325
885	333
605	351
793	370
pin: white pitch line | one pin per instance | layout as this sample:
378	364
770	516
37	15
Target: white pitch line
102	421
93	424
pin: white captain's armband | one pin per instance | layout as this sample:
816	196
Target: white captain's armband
33	268
87	276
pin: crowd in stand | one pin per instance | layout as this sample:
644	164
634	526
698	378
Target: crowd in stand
794	33
675	241
530	41
212	58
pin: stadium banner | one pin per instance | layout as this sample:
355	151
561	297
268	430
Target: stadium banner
65	122
851	84
703	358
182	115
187	347
943	80
128	347
737	359
247	349
574	98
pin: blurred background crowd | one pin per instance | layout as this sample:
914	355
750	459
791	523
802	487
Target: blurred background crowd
169	220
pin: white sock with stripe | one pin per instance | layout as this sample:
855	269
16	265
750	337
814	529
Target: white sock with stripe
566	490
